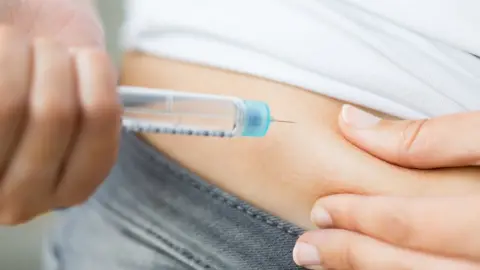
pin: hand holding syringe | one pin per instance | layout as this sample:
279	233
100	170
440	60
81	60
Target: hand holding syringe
173	112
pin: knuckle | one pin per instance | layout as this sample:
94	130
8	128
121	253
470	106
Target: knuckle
54	113
395	225
45	43
50	56
352	257
99	63
104	114
354	213
96	57
412	145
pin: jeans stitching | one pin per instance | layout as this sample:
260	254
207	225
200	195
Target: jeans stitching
182	251
229	202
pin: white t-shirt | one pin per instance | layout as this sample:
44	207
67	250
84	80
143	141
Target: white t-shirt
408	58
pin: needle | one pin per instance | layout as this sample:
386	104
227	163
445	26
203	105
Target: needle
282	121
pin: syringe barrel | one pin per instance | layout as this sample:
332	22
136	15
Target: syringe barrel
165	111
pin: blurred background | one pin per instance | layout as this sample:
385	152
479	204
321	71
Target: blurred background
20	247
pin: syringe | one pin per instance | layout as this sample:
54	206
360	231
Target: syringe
174	112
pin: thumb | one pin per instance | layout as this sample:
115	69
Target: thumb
447	141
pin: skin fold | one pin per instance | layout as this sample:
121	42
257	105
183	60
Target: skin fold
387	232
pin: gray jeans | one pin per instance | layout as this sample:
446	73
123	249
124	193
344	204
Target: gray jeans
153	214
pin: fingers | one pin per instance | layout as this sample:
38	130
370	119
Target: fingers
95	149
15	66
344	250
59	125
435	225
31	176
446	141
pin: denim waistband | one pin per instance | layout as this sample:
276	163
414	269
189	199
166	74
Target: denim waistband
155	199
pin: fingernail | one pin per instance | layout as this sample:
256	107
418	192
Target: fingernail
321	218
306	255
357	118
